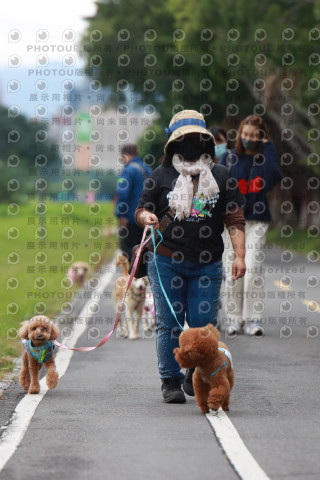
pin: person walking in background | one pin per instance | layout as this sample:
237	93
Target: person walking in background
254	169
129	188
221	142
189	257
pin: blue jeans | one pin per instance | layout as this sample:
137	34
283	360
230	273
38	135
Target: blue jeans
193	290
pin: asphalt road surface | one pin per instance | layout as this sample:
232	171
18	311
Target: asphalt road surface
106	418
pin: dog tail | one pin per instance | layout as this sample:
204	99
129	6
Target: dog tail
123	261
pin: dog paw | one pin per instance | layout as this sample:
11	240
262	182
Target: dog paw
24	383
25	386
213	406
52	379
133	336
34	390
122	332
204	410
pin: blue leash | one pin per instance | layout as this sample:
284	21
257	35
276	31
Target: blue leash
160	282
168	301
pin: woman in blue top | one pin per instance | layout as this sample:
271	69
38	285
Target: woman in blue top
254	169
129	187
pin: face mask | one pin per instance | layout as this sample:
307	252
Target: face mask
250	144
220	149
190	148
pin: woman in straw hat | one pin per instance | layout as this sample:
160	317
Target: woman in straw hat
189	257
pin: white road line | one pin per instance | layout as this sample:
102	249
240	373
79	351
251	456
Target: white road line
26	408
228	437
238	455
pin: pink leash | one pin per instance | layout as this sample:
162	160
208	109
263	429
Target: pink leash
106	338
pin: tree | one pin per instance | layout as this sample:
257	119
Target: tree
24	147
227	59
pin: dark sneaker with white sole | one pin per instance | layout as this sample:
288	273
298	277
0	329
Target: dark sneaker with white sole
171	390
187	382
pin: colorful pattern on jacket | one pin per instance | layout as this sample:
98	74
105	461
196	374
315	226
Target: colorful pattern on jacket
42	353
264	173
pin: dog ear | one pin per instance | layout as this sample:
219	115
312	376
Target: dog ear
214	330
23	331
178	353
55	332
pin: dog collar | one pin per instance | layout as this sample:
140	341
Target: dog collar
42	353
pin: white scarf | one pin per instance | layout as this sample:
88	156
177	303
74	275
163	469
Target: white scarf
182	194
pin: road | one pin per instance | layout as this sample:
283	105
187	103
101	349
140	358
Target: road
106	418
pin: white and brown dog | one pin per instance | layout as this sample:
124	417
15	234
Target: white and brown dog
78	272
148	313
134	300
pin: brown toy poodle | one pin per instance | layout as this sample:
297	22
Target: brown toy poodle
37	337
214	377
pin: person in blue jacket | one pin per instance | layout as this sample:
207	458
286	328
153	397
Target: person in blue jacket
254	169
129	188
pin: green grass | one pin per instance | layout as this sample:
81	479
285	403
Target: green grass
298	241
6	366
33	269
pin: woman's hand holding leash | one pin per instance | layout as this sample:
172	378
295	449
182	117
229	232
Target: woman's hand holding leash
147	218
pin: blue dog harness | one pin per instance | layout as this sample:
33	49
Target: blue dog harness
43	353
228	355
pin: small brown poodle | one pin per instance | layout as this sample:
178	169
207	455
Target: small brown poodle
37	337
214	377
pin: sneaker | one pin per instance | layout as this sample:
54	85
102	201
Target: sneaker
254	329
187	382
233	330
171	390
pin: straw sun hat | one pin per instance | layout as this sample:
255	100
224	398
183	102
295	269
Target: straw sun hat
184	122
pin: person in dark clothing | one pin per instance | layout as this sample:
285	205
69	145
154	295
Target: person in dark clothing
254	169
189	257
129	188
221	142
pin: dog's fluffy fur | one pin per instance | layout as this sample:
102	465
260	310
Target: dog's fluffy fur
199	348
78	272
39	330
148	313
134	300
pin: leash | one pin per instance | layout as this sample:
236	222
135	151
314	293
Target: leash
106	338
160	282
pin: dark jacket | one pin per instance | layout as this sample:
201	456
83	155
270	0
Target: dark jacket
130	186
197	237
264	174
